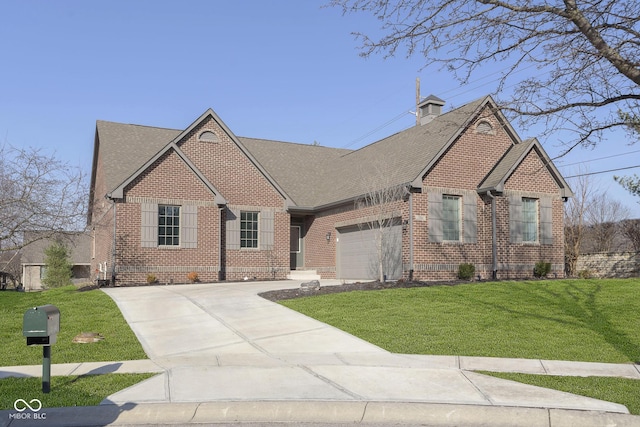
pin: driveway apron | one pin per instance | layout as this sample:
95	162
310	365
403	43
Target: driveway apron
222	342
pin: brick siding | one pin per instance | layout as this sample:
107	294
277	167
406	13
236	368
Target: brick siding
170	181
241	182
463	167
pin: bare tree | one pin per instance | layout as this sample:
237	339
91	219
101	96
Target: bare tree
582	58
380	202
575	212
38	193
630	229
604	217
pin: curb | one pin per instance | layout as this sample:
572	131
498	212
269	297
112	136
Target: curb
323	412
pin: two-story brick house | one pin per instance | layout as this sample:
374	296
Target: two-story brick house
466	189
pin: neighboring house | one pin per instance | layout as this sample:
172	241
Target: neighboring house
169	202
33	257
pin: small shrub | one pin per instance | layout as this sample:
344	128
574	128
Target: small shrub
193	277
151	278
466	271
585	274
542	269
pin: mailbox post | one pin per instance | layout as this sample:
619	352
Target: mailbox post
41	326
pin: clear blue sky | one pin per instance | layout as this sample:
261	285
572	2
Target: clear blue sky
281	69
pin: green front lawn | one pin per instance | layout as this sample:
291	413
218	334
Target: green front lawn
91	311
619	390
86	390
582	320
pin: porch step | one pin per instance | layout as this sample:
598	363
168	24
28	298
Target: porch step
303	275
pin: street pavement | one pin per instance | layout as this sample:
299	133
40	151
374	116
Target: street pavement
225	355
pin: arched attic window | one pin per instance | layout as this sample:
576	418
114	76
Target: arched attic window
485	127
208	136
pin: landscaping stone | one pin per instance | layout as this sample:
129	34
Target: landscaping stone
88	337
313	285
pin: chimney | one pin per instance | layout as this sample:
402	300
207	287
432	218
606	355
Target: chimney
429	108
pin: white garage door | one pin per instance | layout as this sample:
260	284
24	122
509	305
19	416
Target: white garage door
357	254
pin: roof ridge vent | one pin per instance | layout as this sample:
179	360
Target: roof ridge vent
429	108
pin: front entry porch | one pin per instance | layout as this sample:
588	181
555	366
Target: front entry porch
296	248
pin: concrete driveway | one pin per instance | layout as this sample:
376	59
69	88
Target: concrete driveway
222	342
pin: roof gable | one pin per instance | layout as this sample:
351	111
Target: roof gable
505	167
404	157
118	192
463	118
125	148
146	145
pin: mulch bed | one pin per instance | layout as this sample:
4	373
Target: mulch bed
284	294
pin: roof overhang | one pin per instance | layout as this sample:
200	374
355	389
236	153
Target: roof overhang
489	102
534	144
118	192
310	210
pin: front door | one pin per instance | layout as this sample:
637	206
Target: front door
297	258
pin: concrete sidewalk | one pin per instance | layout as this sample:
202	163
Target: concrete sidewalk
466	363
224	354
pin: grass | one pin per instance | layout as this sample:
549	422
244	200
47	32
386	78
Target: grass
581	320
90	311
87	390
618	390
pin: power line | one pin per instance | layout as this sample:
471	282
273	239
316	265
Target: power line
395	119
467	89
599	172
599	158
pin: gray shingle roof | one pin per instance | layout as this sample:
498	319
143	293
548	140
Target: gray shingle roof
401	158
78	243
298	168
496	179
125	148
316	176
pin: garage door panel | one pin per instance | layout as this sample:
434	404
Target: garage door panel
357	258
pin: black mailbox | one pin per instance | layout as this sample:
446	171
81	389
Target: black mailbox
41	325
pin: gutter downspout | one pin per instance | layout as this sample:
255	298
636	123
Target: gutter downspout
113	251
221	272
494	245
410	235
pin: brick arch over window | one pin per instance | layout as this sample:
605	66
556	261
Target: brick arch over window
485	127
208	136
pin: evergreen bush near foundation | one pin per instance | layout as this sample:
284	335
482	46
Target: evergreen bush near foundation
542	269
466	271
